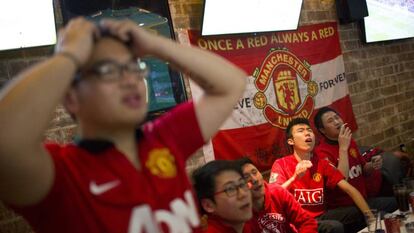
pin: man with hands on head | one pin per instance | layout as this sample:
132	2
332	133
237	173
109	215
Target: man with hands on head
308	177
123	175
342	151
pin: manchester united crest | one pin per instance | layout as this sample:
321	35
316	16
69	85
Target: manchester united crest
161	163
353	152
293	88
317	177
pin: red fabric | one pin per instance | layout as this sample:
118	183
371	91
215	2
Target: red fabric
337	197
322	48
261	136
263	141
142	200
342	106
282	214
309	190
373	181
216	225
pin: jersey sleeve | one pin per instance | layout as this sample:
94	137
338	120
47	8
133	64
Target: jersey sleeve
179	128
324	153
277	174
333	175
58	197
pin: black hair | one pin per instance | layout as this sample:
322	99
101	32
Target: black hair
318	117
204	177
293	122
104	33
243	161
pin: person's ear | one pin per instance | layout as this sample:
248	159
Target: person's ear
290	141
70	101
322	130
208	205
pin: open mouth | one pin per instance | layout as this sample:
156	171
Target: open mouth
257	187
133	100
245	207
308	140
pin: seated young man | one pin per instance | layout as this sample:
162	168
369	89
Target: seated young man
342	151
117	178
275	210
224	196
307	177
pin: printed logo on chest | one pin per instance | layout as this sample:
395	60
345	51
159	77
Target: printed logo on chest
272	222
181	218
355	171
161	163
309	196
353	152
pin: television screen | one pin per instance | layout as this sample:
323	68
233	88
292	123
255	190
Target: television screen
247	16
389	20
165	86
21	26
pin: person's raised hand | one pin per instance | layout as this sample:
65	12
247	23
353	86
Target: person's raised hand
302	167
141	40
376	162
77	39
344	137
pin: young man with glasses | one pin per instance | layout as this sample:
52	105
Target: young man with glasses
274	208
224	196
123	175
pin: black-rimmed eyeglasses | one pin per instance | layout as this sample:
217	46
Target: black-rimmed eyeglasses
232	189
112	71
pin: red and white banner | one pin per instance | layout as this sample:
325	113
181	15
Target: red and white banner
292	75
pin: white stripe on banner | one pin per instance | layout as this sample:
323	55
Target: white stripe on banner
329	77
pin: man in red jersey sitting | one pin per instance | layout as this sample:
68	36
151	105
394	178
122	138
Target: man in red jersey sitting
275	210
307	177
342	151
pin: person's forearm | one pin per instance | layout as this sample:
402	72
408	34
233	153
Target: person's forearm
289	182
27	104
205	68
356	196
359	201
343	163
222	82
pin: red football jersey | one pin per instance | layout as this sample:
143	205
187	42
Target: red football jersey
309	190
282	214
96	189
330	150
216	225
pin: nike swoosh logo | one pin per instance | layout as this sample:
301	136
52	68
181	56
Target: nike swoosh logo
102	188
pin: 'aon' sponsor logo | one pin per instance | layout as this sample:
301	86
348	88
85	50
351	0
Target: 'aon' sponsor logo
355	171
180	219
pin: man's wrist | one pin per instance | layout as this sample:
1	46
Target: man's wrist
343	149
70	56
